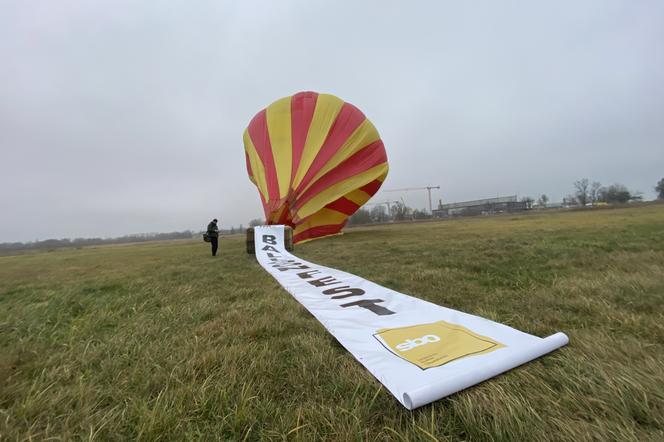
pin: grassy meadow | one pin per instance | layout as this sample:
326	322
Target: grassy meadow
161	341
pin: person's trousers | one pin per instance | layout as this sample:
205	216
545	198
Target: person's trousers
215	245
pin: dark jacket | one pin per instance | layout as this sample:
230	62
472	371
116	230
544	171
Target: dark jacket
213	230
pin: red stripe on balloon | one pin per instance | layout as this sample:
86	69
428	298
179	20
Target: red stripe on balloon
366	158
261	138
303	105
285	217
348	119
343	205
315	232
372	187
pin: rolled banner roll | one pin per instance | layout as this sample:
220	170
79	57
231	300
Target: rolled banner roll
511	359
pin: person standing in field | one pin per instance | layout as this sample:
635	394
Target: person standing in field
213	233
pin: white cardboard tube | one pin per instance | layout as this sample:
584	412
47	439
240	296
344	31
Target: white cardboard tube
427	394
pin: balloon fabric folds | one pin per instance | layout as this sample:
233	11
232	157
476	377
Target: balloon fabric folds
315	160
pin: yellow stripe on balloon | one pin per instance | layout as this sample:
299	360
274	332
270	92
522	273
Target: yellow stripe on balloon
299	228
256	166
364	135
278	116
276	215
323	217
358	196
340	189
327	235
327	109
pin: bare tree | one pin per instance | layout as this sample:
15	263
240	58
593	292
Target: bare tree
581	191
594	191
543	200
362	216
615	193
379	214
256	222
660	189
400	211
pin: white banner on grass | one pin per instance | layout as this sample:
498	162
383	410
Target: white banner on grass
419	351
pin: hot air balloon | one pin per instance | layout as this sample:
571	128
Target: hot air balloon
315	160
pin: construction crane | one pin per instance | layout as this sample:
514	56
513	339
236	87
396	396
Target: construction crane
427	188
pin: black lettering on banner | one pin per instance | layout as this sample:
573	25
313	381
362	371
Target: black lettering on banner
322	282
346	290
295	264
297	267
370	304
288	264
307	275
281	261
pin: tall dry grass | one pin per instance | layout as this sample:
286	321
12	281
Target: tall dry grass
163	342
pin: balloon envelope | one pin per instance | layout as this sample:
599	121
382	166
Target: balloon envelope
315	160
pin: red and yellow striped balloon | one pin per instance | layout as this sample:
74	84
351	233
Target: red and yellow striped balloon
315	160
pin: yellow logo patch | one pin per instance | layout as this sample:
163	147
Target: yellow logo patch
435	344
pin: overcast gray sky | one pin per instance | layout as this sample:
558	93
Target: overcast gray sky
123	116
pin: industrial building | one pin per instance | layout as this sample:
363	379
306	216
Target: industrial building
488	206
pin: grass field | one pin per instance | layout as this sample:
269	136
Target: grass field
162	342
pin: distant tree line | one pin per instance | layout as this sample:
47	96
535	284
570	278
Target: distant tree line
380	213
81	242
590	193
587	193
